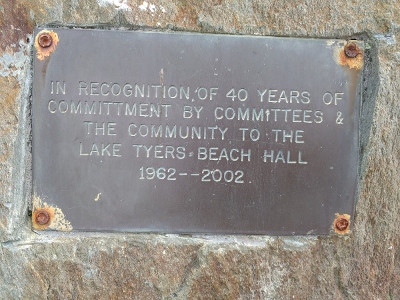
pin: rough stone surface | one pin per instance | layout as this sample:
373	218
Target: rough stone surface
363	265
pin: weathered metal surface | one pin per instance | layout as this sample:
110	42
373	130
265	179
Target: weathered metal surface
179	132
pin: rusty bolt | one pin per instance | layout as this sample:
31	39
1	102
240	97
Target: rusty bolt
42	217
341	224
45	40
351	50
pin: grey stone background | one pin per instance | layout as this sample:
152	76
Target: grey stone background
362	265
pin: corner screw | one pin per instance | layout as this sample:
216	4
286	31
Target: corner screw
45	40
42	217
341	224
351	50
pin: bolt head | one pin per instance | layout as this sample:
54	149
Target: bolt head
42	217
342	224
45	40
351	50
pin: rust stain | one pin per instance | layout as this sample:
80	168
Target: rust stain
341	224
45	43
56	218
344	56
42	218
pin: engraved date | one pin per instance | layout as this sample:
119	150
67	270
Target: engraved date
206	175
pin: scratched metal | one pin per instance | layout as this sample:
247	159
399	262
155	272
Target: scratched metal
97	192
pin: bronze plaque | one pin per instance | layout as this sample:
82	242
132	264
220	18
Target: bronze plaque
194	133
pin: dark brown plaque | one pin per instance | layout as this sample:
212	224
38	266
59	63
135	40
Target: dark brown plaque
182	132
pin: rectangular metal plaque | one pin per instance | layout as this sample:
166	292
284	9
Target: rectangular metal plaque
182	132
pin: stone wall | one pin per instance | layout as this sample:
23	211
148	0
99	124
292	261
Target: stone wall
362	265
